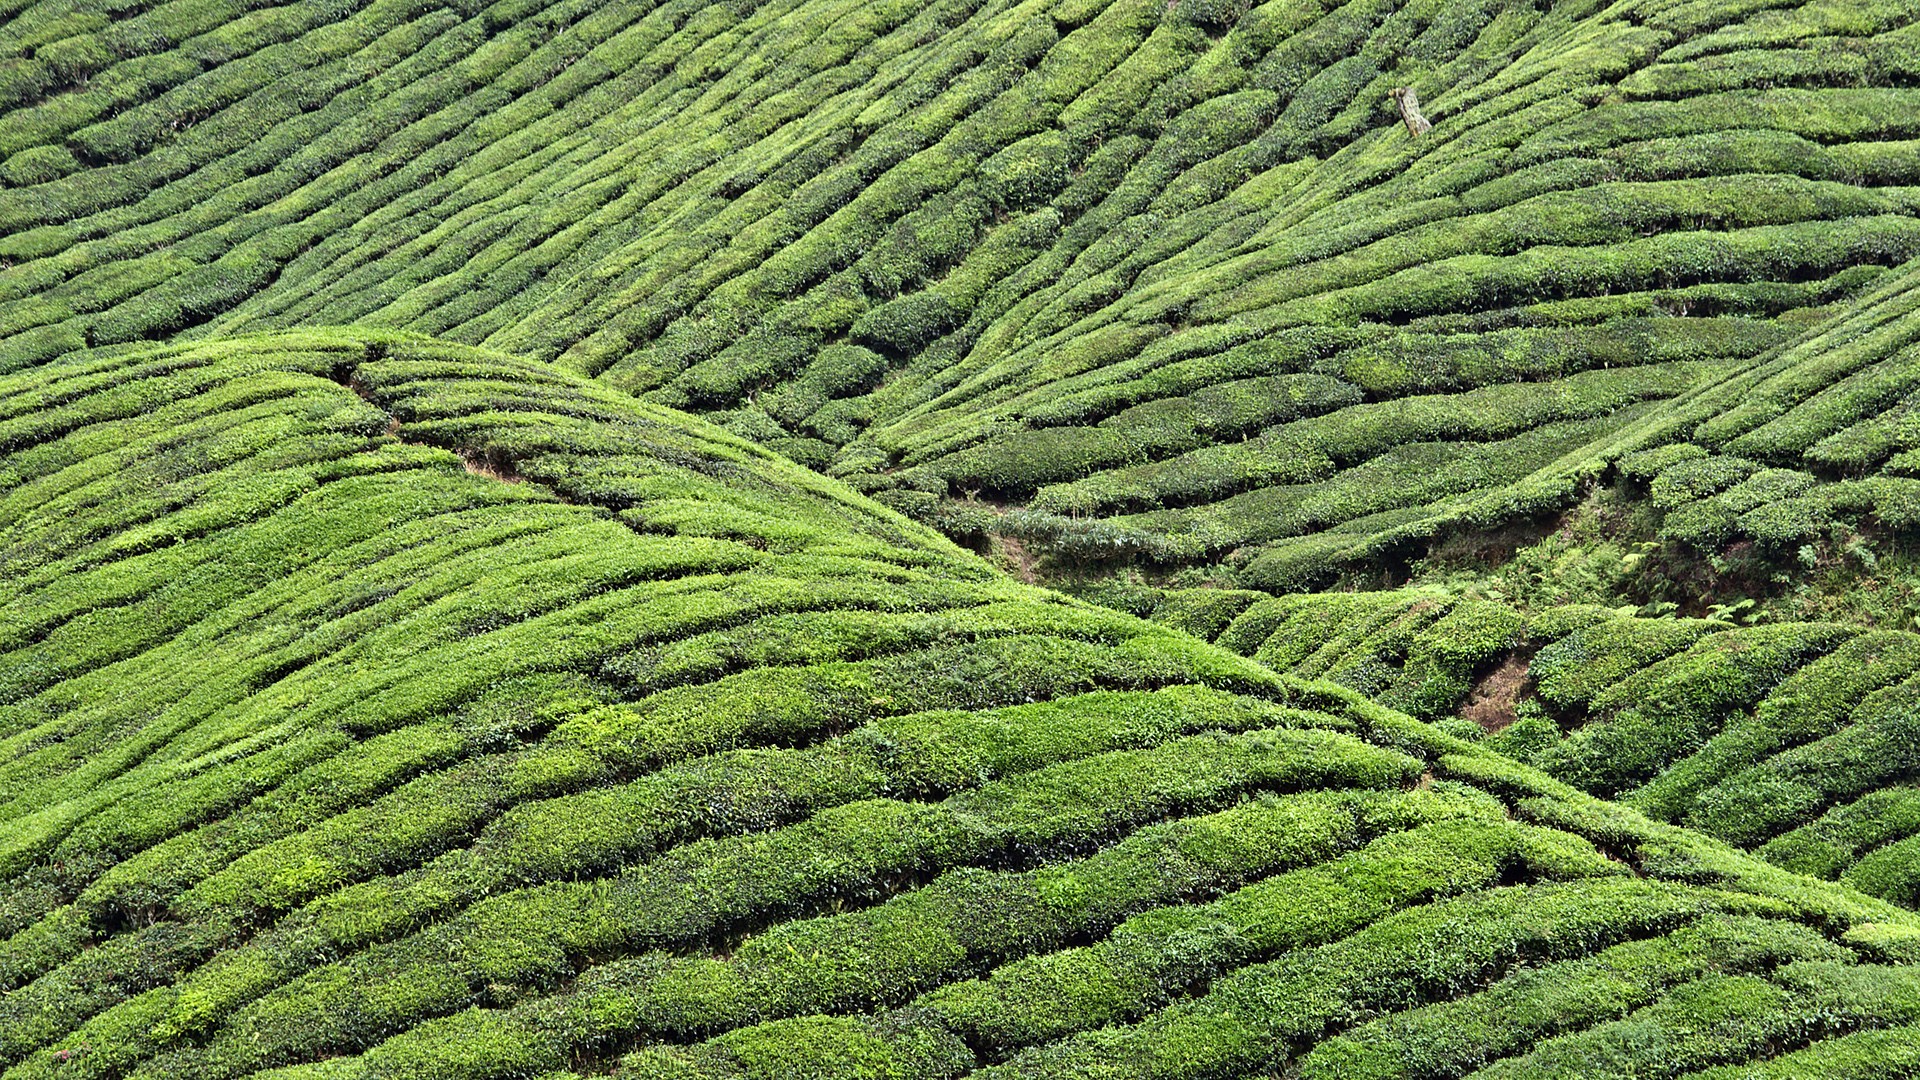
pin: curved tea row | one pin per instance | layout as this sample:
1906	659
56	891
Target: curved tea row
1170	275
375	706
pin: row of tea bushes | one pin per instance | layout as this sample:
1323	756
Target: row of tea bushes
1791	740
1774	457
1506	267
1050	250
507	724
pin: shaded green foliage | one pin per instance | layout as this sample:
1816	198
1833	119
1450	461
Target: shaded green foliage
380	707
1170	266
431	697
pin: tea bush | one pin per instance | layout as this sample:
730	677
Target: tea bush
377	706
1066	254
394	681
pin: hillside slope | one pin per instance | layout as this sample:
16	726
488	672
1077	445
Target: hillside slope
1172	267
1794	740
375	706
487	490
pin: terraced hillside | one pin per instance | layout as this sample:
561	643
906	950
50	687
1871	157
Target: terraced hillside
376	706
1171	275
398	679
1795	740
1776	454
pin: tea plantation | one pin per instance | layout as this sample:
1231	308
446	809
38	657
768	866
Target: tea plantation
1795	740
526	532
1169	265
385	707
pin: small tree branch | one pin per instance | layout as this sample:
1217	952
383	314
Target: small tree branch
1403	96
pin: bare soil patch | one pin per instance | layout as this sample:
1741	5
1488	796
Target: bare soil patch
1493	701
